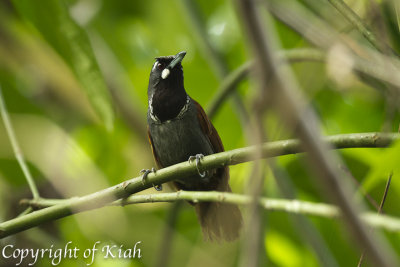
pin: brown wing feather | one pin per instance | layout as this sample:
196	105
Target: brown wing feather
209	129
219	221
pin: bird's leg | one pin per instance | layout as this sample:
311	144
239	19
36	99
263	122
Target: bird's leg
198	157
146	172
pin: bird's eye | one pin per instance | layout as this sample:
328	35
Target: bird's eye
160	66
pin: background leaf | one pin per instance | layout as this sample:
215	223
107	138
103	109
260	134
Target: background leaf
52	20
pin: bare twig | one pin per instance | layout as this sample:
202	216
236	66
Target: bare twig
356	21
231	81
359	187
379	210
26	211
228	85
213	58
17	151
123	190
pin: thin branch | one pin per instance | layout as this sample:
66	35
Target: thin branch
283	92
357	22
379	210
319	33
385	193
232	80
381	45
228	85
360	188
271	204
16	148
26	211
266	98
123	190
194	17
213	57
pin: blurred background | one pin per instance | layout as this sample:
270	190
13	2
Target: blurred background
74	77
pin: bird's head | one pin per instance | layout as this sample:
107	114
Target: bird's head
166	92
167	73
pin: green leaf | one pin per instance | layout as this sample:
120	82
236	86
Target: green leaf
52	19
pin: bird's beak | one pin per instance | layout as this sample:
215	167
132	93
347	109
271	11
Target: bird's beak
177	59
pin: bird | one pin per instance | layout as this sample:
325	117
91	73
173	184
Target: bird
179	130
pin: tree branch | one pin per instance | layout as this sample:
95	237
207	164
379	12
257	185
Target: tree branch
232	157
271	204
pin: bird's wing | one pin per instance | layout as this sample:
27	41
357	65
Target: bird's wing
153	150
219	221
208	129
222	174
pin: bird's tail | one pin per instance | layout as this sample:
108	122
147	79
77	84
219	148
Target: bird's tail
219	221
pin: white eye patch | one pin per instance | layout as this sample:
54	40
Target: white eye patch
165	73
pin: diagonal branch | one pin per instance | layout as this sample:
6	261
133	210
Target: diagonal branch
317	32
288	100
16	148
355	20
232	157
231	81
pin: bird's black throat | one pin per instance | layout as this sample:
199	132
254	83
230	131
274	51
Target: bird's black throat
168	100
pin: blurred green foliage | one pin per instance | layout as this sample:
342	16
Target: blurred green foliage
74	76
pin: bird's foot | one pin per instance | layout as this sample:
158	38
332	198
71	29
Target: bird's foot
146	172
198	157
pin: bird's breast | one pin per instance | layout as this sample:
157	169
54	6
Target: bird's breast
176	140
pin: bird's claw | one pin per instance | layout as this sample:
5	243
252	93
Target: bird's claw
146	172
198	157
158	187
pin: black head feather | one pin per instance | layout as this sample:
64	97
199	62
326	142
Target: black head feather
168	96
